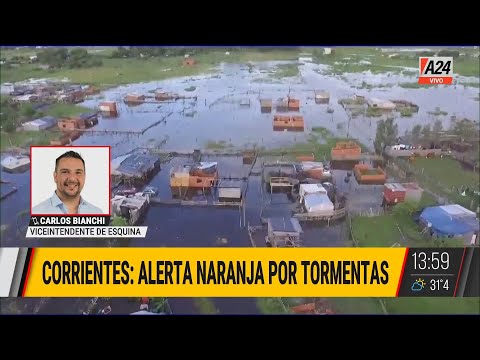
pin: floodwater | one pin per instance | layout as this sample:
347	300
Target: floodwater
217	115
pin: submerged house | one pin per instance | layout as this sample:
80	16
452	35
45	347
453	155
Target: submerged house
136	166
322	97
202	175
291	123
82	121
230	191
16	164
266	105
43	123
131	208
381	104
283	232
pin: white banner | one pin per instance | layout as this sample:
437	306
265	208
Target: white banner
86	231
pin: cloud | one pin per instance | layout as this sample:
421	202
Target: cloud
417	286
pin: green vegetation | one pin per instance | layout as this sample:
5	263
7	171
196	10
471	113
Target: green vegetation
418	305
374	112
271	306
14	114
62	109
410	85
217	145
407	112
398	227
356	306
118	221
120	71
24	139
445	176
205	306
319	142
349	60
471	84
285	70
386	135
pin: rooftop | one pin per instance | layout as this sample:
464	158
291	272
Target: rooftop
137	164
290	225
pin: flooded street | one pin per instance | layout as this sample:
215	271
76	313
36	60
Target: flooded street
219	115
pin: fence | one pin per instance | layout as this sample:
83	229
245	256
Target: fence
356	244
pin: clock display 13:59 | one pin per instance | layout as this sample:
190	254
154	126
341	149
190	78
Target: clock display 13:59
434	260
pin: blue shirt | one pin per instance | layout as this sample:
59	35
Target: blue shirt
54	205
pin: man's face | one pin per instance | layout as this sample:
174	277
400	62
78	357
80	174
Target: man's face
70	177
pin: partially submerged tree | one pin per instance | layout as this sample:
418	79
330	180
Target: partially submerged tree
387	133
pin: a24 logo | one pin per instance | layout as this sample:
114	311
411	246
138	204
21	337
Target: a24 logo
435	70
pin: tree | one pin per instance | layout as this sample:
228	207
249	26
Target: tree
159	305
28	111
426	132
416	132
437	130
387	133
465	128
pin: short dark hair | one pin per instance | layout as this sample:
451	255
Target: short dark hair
69	154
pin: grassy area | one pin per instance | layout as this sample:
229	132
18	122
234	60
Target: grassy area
285	70
471	84
118	221
339	305
217	145
447	170
396	227
356	306
127	71
319	142
205	306
24	139
60	110
270	306
416	305
382	231
438	112
348	60
445	176
411	85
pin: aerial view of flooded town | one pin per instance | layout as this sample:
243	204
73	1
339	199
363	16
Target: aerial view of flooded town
252	147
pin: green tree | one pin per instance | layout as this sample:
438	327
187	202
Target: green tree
426	132
437	130
465	128
28	111
387	133
416	133
159	305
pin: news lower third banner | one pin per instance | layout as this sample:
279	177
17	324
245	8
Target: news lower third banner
60	226
239	272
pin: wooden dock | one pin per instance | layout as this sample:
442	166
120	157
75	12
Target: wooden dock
92	131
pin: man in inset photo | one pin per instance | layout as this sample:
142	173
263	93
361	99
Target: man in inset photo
69	175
